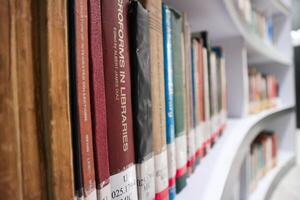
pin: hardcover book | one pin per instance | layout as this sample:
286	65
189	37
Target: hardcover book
179	100
169	95
196	90
141	100
82	114
189	96
115	40
208	88
98	104
158	97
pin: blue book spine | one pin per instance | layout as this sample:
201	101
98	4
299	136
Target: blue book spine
169	95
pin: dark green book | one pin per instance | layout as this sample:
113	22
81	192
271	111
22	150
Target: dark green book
179	99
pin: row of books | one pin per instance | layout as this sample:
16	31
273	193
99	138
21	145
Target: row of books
263	91
261	158
148	98
258	22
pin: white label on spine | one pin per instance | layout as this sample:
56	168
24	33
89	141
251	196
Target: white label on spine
181	151
191	144
91	196
104	193
123	185
145	179
171	160
161	171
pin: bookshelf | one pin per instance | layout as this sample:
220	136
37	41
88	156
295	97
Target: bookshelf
219	174
285	161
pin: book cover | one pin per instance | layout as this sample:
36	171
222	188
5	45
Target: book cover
83	122
189	95
179	100
115	40
158	97
169	95
98	104
141	99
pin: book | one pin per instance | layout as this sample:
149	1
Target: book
82	112
196	91
115	40
208	85
10	168
141	99
158	97
189	96
179	100
169	95
78	182
200	85
98	104
54	96
32	159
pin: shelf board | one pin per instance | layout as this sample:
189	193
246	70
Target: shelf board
217	171
267	184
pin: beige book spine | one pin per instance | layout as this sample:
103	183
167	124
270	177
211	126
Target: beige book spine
55	97
10	153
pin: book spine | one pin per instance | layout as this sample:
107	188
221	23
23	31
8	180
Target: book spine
189	96
11	179
158	98
169	95
54	90
196	100
201	130
206	44
214	99
98	104
141	100
83	98
78	183
118	99
179	101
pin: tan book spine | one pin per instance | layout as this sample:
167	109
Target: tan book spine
32	155
10	153
158	95
55	98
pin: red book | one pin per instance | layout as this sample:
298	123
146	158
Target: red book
115	42
99	123
83	98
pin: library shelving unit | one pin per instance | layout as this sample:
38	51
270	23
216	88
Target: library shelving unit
220	173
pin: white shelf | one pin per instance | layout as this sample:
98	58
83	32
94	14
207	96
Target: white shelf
260	50
218	171
272	7
222	20
267	184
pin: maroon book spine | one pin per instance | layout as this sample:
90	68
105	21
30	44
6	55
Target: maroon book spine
115	42
99	122
83	98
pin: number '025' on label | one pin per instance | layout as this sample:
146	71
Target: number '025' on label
123	185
